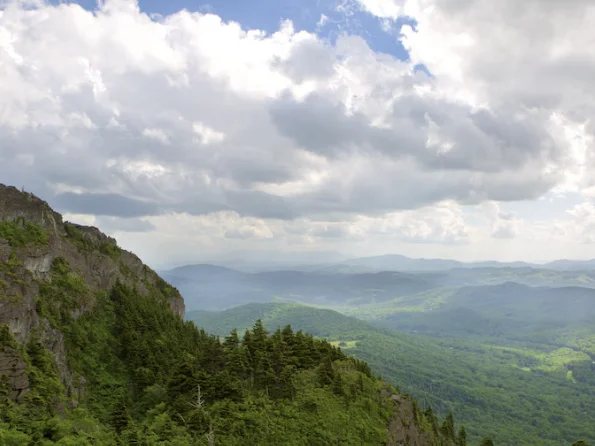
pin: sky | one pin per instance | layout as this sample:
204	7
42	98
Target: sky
195	131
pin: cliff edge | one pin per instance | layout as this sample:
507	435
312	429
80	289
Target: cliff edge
33	240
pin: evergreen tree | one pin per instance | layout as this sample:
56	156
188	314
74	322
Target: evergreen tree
232	341
120	417
325	372
429	415
462	438
286	387
448	427
259	337
235	356
337	384
360	384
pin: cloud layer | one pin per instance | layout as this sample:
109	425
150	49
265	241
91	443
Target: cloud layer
290	138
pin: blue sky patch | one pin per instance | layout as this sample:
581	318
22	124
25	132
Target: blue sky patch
339	17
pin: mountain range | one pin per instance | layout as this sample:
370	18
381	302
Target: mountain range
210	287
336	263
94	349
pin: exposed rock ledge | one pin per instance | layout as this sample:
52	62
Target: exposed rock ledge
403	428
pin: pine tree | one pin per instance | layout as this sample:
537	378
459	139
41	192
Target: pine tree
183	379
235	356
462	438
259	336
448	427
249	349
232	341
279	352
325	372
337	384
360	384
120	417
286	387
264	376
301	351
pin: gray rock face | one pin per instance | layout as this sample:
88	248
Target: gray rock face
39	266
23	269
13	367
15	204
404	429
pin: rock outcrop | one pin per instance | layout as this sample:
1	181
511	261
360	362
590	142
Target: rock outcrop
404	428
13	369
25	266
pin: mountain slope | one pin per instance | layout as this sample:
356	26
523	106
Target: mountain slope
93	351
508	310
486	387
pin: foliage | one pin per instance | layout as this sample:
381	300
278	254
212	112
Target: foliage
86	243
20	233
62	295
153	378
6	338
485	386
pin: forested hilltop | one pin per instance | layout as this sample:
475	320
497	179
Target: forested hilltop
94	351
479	384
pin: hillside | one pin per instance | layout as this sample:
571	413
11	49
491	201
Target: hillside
512	311
517	396
94	351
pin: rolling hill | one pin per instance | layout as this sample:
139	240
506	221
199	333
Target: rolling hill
209	287
520	396
510	311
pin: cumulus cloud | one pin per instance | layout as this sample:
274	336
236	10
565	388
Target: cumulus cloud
385	9
582	223
503	225
117	114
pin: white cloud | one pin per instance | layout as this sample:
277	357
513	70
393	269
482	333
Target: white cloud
284	139
386	9
156	134
206	134
502	225
582	225
441	223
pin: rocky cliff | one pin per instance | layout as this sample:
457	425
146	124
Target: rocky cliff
406	426
33	238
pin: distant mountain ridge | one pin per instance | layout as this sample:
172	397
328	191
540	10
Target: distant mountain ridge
210	287
397	262
386	262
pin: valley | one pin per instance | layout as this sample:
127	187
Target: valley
510	351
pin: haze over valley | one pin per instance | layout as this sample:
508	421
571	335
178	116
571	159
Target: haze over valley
500	344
